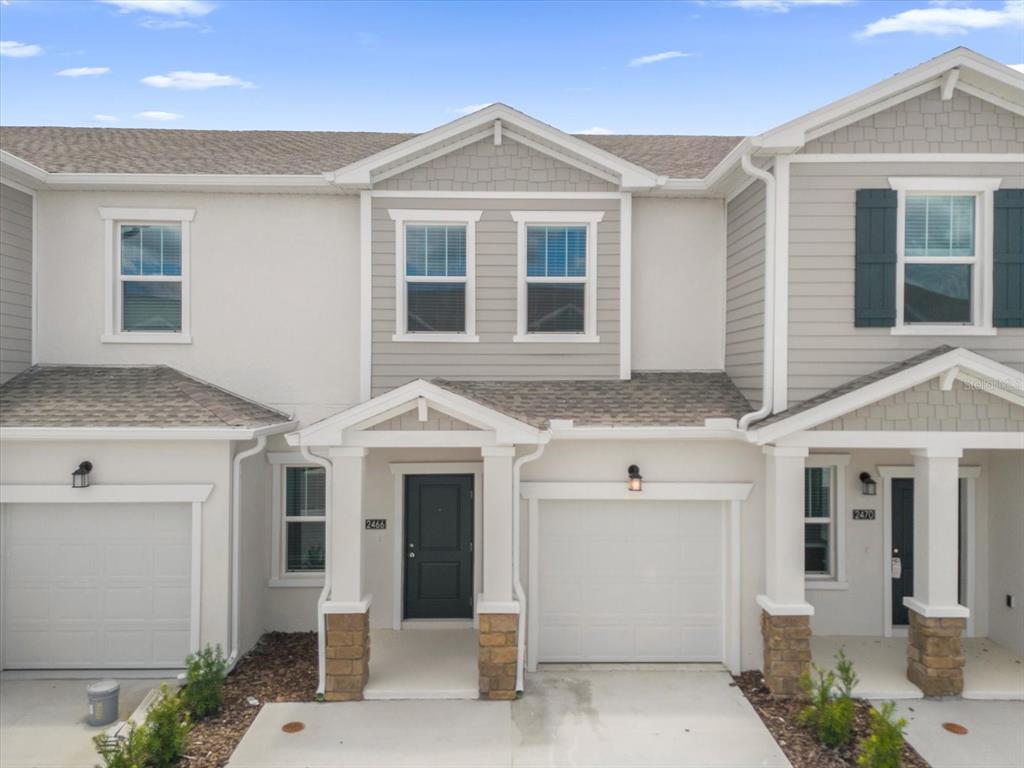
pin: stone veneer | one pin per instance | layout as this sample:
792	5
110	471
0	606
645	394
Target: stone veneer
935	656
347	656
498	652
787	652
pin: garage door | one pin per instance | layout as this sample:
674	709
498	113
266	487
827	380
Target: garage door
95	586
630	581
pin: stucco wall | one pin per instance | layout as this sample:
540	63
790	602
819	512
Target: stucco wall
275	293
1006	548
744	297
678	284
15	281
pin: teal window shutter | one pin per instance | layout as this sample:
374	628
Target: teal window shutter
1008	259
875	249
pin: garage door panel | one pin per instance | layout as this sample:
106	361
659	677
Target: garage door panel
172	562
630	581
71	603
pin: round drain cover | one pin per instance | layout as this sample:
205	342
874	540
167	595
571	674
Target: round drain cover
293	727
956	728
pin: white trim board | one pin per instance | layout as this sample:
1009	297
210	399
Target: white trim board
142	433
652	491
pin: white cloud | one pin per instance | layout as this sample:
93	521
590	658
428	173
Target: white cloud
195	81
596	131
83	71
164	7
167	24
469	108
105	118
948	20
17	50
663	56
1018	67
162	117
782	6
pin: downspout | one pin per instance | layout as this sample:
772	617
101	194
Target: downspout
236	543
768	362
321	633
517	583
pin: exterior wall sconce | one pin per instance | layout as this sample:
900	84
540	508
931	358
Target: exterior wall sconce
868	486
80	477
636	480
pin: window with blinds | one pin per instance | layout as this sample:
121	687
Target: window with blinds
305	519
556	279
150	277
940	256
435	278
819	516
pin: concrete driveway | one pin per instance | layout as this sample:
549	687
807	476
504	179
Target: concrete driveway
42	722
585	716
994	738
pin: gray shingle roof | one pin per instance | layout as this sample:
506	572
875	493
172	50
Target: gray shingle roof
153	150
678	399
855	384
131	396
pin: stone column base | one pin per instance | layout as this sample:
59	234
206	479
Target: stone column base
347	655
498	654
787	652
935	656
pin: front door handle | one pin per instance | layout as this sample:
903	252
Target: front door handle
897	567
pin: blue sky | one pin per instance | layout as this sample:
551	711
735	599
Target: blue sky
725	67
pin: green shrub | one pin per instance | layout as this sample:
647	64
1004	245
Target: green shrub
830	711
167	727
883	748
204	681
129	752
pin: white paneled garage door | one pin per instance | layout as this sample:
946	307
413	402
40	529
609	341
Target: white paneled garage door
630	581
94	586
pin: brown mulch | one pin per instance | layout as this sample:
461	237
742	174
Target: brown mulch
797	741
282	667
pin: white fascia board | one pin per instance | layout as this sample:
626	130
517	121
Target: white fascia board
1011	386
645	433
361	172
15	163
104	494
849	440
142	433
652	491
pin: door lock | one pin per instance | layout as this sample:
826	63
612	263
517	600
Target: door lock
412	554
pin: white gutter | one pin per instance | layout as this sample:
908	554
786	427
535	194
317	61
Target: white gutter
143	433
517	583
321	630
236	542
768	362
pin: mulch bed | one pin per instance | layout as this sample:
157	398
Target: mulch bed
798	742
282	667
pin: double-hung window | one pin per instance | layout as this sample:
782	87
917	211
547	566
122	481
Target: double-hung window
148	281
300	521
557	295
824	528
944	255
436	275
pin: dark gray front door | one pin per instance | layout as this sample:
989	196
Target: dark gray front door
902	546
438	546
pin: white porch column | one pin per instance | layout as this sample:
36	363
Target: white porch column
497	519
784	533
346	524
936	530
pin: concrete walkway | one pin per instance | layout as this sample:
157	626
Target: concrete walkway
589	716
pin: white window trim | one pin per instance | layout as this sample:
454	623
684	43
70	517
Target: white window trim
113	218
279	574
403	217
837	578
590	220
983	190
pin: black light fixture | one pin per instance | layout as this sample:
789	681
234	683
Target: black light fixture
868	486
80	477
636	480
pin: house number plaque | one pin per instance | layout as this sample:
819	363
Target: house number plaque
376	524
863	514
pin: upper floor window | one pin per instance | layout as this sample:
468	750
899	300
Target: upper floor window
436	275
147	275
557	275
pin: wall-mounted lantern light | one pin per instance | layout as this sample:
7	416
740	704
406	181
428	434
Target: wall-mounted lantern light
636	481
868	486
80	477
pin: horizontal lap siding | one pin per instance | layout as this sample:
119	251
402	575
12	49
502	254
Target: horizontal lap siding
744	329
495	356
15	282
825	349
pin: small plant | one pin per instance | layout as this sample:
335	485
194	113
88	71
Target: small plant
831	710
167	727
127	752
883	748
204	681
